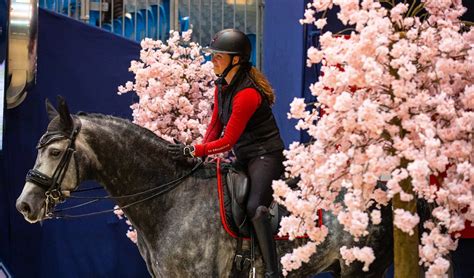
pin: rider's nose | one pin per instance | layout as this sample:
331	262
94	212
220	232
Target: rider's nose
23	207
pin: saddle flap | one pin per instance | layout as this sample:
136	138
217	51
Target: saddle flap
238	184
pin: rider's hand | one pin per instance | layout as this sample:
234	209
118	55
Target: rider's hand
180	150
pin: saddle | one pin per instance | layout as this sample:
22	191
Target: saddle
233	189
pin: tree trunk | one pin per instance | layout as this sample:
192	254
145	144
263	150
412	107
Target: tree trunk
405	249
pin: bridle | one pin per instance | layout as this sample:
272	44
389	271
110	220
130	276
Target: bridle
52	185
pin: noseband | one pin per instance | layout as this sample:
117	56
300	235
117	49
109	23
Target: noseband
52	185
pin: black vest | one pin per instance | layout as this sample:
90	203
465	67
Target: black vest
261	135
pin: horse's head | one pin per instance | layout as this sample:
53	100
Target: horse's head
56	171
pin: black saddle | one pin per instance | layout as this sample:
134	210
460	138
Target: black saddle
236	190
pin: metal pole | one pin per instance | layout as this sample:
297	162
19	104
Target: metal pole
85	9
76	11
222	14
135	21
176	16
146	18
245	17
212	31
69	8
199	22
158	29
100	13
112	16
171	17
123	18
233	26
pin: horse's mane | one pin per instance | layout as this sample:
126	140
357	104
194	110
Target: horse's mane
130	128
130	125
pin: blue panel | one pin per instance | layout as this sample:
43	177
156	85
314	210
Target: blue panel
107	27
283	59
84	64
184	23
253	42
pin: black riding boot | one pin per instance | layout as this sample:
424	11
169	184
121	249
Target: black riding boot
263	230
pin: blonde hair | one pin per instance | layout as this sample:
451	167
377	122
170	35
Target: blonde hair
262	83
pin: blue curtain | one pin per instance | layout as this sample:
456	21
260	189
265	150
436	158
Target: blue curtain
85	65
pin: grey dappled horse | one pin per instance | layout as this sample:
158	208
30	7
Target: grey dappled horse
179	232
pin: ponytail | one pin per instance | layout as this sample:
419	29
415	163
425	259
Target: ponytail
263	84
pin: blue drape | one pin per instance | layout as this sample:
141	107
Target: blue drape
85	65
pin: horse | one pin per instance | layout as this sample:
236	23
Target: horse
179	231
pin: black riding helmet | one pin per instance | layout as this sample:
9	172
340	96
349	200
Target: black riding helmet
233	42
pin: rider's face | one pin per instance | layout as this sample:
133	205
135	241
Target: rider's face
220	62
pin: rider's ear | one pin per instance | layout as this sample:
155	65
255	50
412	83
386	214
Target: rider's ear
52	112
64	116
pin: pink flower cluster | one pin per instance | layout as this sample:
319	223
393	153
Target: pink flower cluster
131	232
435	247
175	88
299	256
405	221
398	97
365	255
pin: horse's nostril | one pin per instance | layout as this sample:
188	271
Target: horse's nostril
24	208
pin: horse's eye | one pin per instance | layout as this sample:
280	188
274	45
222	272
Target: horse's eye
55	152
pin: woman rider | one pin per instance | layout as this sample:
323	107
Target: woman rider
242	111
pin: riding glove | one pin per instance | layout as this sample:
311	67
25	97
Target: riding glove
180	150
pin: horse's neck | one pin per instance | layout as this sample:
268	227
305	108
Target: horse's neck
129	159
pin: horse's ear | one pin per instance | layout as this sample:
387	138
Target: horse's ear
52	112
64	116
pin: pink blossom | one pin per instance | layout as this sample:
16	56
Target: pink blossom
314	56
308	16
322	5
297	109
396	13
439	267
320	23
175	89
376	216
118	212
365	255
467	98
343	102
132	235
300	255
405	221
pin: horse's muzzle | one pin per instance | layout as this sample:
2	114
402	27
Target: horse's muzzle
31	203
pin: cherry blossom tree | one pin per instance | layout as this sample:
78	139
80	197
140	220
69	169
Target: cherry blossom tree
175	87
401	107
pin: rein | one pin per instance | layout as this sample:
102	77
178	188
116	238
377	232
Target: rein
164	188
52	185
